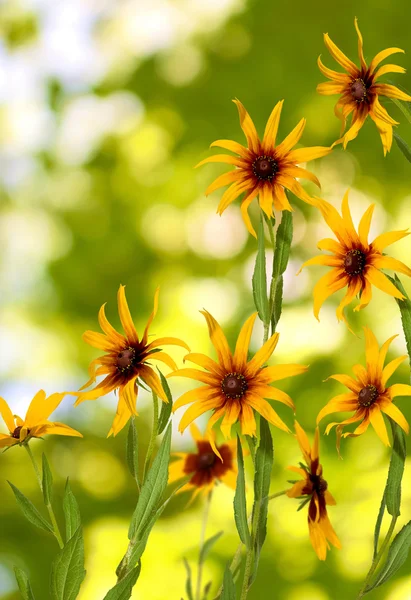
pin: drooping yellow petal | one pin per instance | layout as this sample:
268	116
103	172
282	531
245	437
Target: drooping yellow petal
266	410
399	389
394	412
354	288
195	411
326	286
232	411
323	260
387	262
244	211
388	69
232	193
303	174
163	357
272	393
243	342
100	341
223	180
302	439
6	441
366	296
225	159
151	378
248	127
232	147
201	393
339	77
125	316
377	421
380	281
167	341
348	381
128	393
7	415
219	341
56	429
247	420
271	128
123	415
266	199
385	89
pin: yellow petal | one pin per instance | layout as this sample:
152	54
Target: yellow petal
340	57
382	56
167	341
326	286
291	140
163	357
383	352
219	341
377	421
121	418
348	381
195	374
108	328
385	89
266	410
195	433
151	378
302	439
324	260
232	194
201	393
243	342
223	180
386	262
388	69
41	408
277	372
364	225
354	288
332	246
366	296
262	355
7	415
244	210
232	146
266	199
247	420
329	88
248	127
386	239
232	411
176	471
372	353
380	281
271	128
303	174
339	77
306	154
360	45
399	389
272	393
125	316
224	158
204	361
128	394
195	411
391	368
100	341
394	412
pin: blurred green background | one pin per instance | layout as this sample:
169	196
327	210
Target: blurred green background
105	106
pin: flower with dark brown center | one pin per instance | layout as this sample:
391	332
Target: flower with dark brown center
126	359
265	168
354	262
359	90
16	433
234	385
367	395
206	460
319	484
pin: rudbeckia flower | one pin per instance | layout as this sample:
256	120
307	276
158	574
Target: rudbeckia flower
313	489
204	467
360	90
263	168
36	422
235	387
126	361
369	397
356	263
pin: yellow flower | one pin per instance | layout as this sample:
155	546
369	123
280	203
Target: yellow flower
36	423
127	360
203	466
369	395
314	489
360	91
235	387
264	169
356	263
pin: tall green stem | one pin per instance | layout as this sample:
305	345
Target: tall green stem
202	540
153	437
49	507
378	557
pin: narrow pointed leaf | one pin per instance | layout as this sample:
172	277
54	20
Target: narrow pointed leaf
396	470
240	505
166	407
260	278
228	592
208	544
24	584
152	489
283	244
403	146
397	555
378	524
71	512
124	589
67	571
47	482
189	581
132	449
30	511
405	309
277	307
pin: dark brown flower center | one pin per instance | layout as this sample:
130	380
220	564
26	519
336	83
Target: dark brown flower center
265	167
16	433
206	460
354	262
358	90
367	396
234	385
126	359
319	484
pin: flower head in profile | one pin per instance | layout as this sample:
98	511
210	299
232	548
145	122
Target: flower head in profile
263	168
235	387
312	489
360	90
36	422
126	362
369	397
356	263
203	466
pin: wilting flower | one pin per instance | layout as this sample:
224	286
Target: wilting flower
204	467
127	360
369	395
264	169
313	489
356	263
36	422
235	387
360	91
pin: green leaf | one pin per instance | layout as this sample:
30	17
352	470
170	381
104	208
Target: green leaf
24	584
67	571
283	244
166	407
71	512
30	511
403	146
396	470
208	544
124	589
397	555
189	581
228	591
263	466
47	482
277	302
405	309
240	504
378	525
404	108
152	489
132	449
260	278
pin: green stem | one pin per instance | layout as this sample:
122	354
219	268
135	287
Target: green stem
153	437
202	540
277	495
247	572
49	507
378	557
